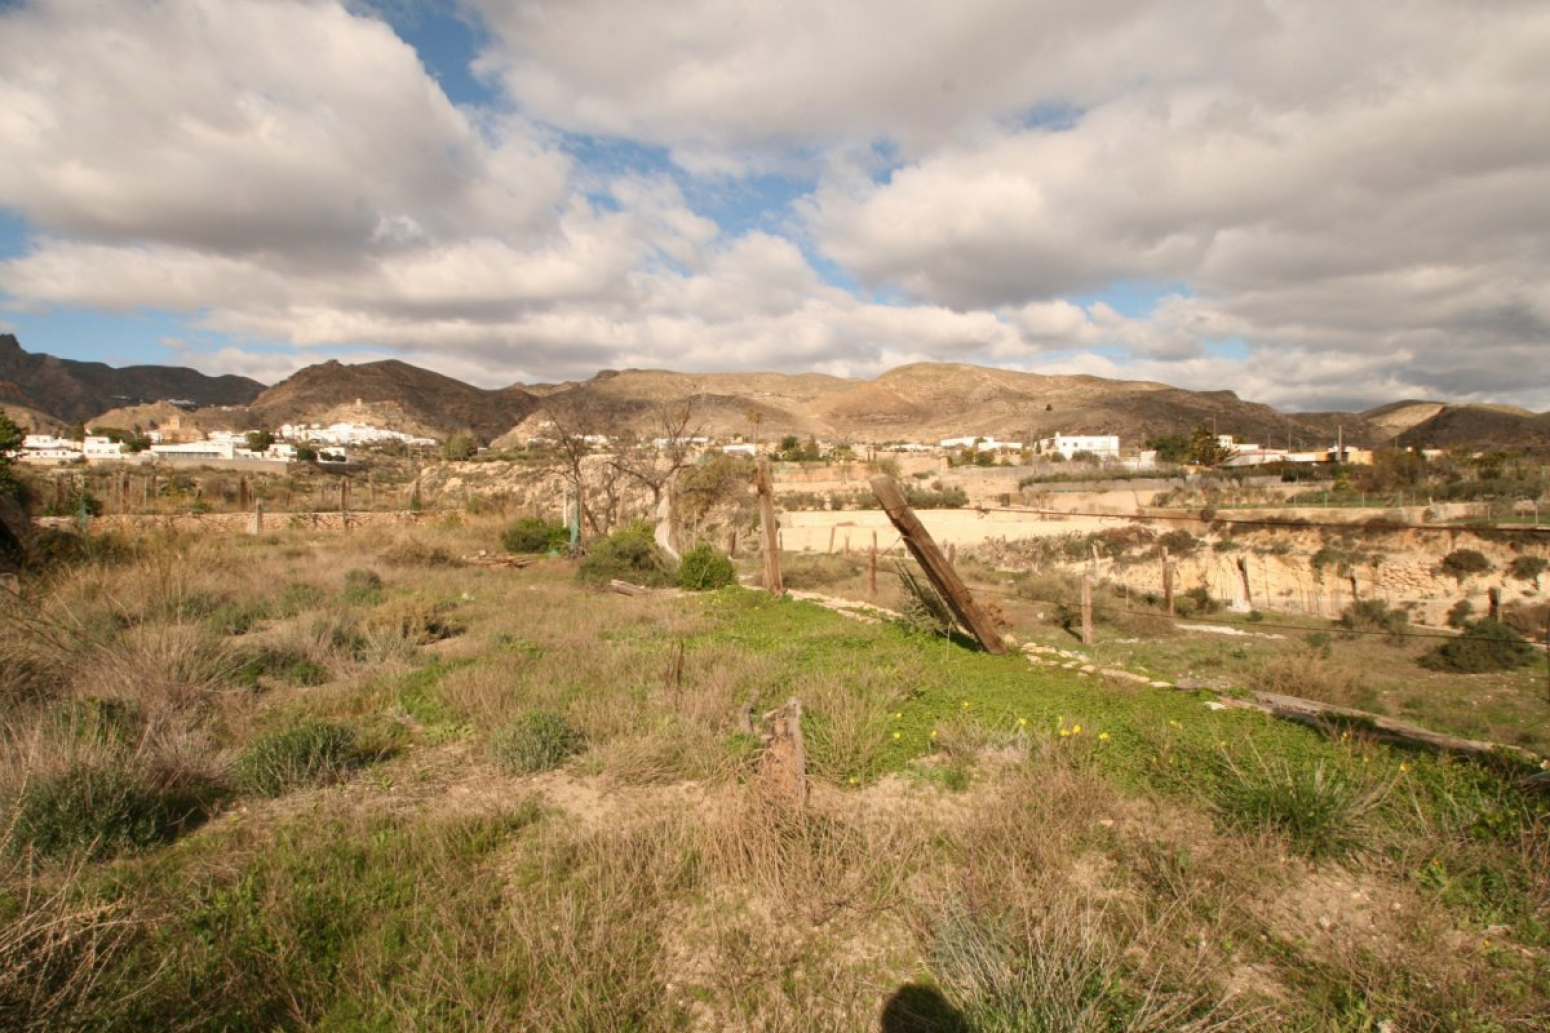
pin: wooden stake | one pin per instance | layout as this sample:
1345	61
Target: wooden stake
1167	580
918	540
1087	610
1494	603
771	532
831	539
871	572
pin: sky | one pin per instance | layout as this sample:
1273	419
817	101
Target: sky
1319	205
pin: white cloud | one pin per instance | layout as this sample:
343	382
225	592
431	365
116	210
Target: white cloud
1351	196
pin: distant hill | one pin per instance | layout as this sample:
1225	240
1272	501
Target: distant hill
924	402
1480	426
69	390
389	393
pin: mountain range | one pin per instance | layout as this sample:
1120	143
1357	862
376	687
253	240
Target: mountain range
920	402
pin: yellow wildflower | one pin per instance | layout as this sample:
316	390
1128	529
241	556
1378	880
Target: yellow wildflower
1103	736
1022	722
1077	730
898	735
1064	732
1404	767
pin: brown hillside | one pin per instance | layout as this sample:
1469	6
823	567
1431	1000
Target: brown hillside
69	390
919	402
391	393
1481	426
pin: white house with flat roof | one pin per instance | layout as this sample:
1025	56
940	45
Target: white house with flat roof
1104	446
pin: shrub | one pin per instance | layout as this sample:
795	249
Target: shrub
237	617
1195	602
1460	613
412	619
938	497
539	740
535	535
309	752
1485	646
1374	615
283	665
629	554
703	568
1528	568
100	809
817	570
362	587
1178	542
1461	563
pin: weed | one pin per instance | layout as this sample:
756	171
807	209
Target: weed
307	753
1374	615
537	741
1321	806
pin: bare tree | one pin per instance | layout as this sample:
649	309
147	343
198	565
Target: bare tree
596	485
654	461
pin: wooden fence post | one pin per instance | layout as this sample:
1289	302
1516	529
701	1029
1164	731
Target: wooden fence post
1167	580
1087	610
871	573
918	540
771	532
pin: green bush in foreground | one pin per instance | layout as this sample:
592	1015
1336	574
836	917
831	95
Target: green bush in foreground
1485	646
534	535
704	568
629	554
99	809
306	753
539	740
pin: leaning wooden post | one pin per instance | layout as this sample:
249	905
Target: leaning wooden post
770	530
1167	580
1494	603
918	540
1087	610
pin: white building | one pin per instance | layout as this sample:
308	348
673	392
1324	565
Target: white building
214	450
1104	446
348	434
97	448
48	450
982	444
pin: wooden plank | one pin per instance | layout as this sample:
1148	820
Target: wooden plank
1087	610
921	545
771	532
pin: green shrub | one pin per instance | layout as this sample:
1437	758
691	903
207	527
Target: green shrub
1460	613
297	597
362	587
237	617
1461	563
309	752
537	741
1528	568
817	570
629	554
1178	542
283	665
100	809
535	535
704	568
938	497
1374	615
1195	602
1485	646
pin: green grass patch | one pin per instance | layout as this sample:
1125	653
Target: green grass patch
307	753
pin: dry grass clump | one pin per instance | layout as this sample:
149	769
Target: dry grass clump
1310	675
54	945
